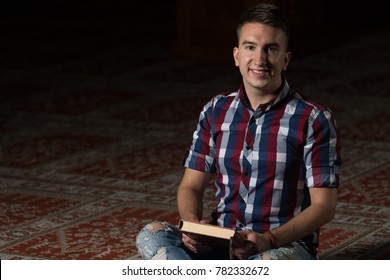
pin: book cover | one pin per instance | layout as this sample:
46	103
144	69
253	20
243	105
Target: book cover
206	229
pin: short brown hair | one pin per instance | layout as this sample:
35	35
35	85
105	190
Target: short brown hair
265	13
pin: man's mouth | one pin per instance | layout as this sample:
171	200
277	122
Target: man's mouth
259	72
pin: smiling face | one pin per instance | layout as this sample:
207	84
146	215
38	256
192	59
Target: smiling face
261	56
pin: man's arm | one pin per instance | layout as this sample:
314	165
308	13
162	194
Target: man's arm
321	211
190	194
190	204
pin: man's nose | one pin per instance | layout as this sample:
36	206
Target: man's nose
260	57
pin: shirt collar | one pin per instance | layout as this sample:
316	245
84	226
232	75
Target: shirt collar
285	89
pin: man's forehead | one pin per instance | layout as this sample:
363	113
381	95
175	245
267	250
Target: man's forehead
258	32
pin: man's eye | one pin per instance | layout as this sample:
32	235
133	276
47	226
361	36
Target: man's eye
272	49
250	48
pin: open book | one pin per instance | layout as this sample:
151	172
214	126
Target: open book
206	229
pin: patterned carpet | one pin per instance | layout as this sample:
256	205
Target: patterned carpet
93	133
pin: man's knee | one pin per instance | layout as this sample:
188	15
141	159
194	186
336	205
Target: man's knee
149	230
157	226
150	240
265	256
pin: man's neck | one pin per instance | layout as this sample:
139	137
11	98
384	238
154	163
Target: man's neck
256	100
257	97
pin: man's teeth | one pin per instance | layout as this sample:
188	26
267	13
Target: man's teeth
258	71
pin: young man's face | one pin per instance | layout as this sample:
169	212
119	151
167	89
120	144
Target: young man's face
261	57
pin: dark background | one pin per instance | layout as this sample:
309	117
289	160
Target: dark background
151	29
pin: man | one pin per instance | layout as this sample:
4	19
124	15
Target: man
275	152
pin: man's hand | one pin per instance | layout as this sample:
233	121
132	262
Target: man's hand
194	243
247	243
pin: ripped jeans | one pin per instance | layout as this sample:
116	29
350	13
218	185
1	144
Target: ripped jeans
162	241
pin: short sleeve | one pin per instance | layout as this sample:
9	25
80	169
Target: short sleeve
322	151
201	155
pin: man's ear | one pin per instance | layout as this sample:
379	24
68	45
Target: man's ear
287	59
235	56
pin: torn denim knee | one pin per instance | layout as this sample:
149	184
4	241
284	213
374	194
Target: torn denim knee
156	226
289	252
151	241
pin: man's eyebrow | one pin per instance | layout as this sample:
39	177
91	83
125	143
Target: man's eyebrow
246	42
273	44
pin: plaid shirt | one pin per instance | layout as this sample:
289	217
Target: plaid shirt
266	160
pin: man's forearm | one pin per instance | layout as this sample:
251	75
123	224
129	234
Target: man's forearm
190	194
312	218
190	204
300	226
